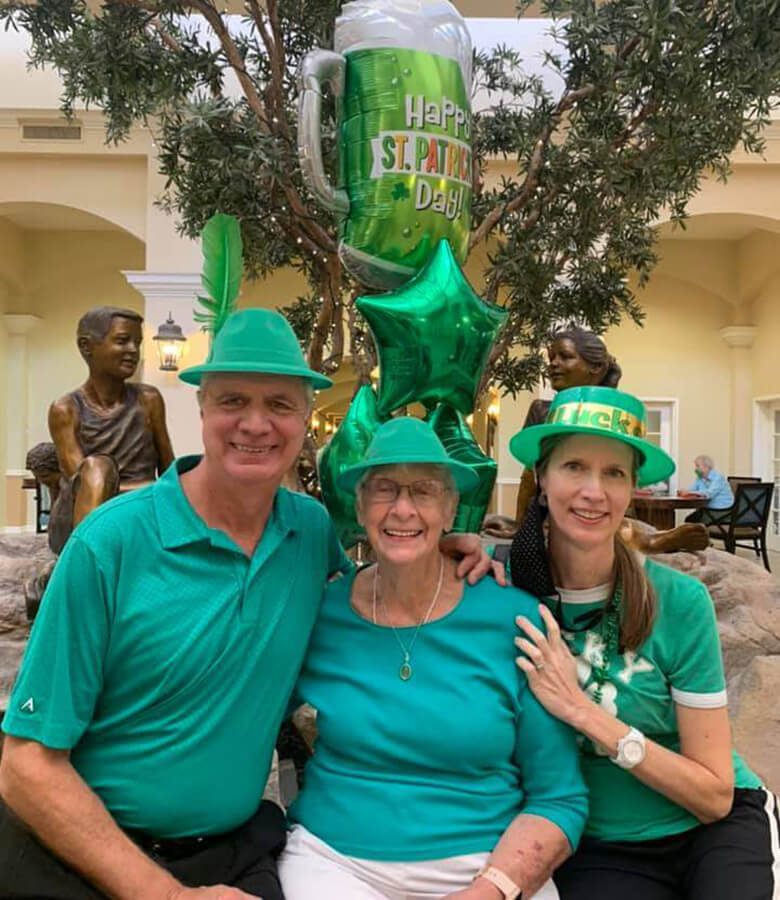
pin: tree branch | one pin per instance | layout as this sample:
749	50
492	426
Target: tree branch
534	167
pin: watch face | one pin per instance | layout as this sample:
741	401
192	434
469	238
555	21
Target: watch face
633	752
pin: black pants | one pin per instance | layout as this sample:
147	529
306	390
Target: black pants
737	858
244	858
707	516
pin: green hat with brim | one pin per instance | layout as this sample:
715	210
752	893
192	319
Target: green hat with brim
600	411
256	340
407	441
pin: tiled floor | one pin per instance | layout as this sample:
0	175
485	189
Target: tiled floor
774	561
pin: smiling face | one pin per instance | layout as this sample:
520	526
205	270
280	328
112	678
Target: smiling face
566	368
118	353
400	529
588	482
253	425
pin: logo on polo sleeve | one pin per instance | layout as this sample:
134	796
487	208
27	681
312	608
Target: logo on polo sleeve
28	706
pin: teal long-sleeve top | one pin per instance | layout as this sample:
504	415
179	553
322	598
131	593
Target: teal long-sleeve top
441	764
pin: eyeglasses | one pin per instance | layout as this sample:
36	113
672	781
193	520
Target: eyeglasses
422	493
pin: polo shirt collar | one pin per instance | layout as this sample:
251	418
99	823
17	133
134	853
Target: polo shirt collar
180	525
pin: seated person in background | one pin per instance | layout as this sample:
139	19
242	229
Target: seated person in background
109	434
713	486
436	773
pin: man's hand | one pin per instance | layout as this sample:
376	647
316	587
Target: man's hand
218	892
475	563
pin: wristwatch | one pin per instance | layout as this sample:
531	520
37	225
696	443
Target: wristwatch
502	881
631	750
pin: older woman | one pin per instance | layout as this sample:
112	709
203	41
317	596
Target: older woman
631	659
431	775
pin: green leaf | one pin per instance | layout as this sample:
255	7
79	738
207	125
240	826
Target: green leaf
223	269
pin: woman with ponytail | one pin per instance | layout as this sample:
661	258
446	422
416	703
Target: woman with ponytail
630	658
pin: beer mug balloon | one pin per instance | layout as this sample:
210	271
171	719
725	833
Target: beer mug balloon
401	75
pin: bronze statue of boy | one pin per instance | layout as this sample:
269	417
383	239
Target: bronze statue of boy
110	434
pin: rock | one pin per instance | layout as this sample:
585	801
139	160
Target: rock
755	717
22	556
747	603
747	606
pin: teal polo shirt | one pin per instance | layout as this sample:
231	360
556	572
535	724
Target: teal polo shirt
163	656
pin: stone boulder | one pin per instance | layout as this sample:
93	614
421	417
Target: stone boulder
747	605
22	556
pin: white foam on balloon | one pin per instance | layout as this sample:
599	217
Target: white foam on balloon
430	26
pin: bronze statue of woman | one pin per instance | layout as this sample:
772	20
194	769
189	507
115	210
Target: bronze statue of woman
576	358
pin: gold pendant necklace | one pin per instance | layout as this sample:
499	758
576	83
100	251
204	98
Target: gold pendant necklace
405	672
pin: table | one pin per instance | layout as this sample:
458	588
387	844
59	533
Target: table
658	510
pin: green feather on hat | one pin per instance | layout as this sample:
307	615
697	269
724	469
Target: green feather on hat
223	271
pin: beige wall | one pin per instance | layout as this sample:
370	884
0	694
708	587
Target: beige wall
680	354
112	188
766	350
3	394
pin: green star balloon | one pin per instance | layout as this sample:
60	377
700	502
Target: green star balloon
347	447
460	443
433	337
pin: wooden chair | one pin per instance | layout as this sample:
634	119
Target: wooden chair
734	480
745	521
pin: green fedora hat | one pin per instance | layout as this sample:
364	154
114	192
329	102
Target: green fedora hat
602	411
256	340
405	441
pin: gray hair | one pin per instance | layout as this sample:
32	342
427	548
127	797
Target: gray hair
707	460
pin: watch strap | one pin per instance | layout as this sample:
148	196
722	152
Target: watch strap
502	881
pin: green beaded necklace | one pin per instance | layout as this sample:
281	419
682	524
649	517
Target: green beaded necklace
609	631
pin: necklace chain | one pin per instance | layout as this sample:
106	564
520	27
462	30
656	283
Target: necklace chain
405	672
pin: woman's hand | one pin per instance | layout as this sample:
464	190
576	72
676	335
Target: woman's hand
550	668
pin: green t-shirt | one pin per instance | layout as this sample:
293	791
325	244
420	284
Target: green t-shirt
163	657
679	663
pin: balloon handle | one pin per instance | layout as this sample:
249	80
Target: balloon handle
319	67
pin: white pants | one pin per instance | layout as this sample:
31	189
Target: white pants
309	869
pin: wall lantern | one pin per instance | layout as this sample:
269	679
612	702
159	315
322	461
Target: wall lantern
170	345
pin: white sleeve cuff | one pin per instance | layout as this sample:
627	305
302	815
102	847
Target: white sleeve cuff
700	701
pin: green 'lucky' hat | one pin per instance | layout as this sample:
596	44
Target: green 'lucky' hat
407	441
602	411
256	340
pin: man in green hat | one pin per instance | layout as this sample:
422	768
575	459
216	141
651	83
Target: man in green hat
142	725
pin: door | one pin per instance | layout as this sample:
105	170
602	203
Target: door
766	459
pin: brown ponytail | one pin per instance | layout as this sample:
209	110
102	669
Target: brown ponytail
639	602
